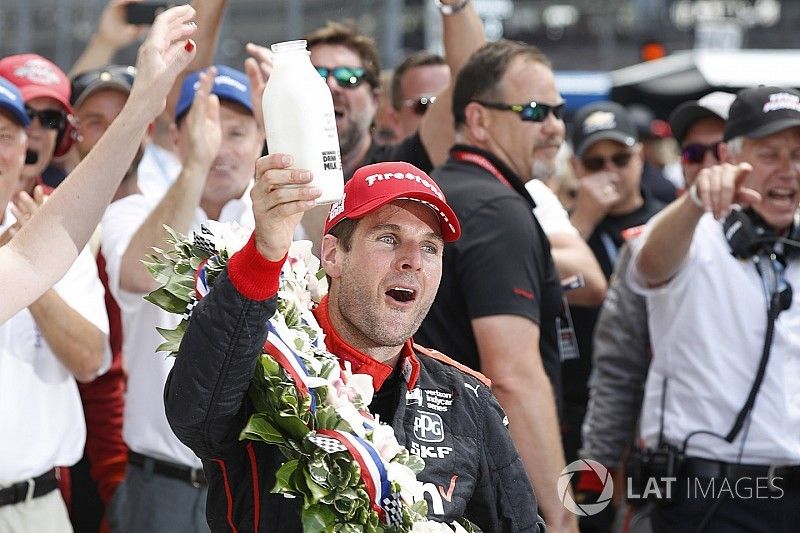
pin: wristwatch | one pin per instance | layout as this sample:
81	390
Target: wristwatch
451	9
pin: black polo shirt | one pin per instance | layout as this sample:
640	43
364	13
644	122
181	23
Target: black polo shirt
500	265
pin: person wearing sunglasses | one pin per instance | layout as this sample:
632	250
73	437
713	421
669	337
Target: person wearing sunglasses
608	165
721	389
416	83
348	61
622	345
46	91
698	126
500	297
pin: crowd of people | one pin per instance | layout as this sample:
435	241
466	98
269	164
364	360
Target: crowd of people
572	296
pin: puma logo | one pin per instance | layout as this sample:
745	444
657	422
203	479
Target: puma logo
473	388
449	494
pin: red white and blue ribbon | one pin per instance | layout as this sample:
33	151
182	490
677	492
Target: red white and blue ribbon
373	472
201	287
291	363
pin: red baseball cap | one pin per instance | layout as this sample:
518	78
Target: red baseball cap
374	186
36	77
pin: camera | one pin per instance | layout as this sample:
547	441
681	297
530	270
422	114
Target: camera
651	471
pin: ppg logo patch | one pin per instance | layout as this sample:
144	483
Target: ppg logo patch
428	427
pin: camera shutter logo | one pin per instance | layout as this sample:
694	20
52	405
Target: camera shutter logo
585	509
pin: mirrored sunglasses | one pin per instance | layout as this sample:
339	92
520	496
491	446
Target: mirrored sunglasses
696	152
346	77
531	112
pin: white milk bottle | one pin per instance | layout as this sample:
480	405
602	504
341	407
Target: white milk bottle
298	112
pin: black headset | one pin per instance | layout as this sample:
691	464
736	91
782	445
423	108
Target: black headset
748	234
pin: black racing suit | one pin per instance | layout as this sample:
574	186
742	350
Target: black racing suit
440	412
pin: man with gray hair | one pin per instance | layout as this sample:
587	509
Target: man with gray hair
721	406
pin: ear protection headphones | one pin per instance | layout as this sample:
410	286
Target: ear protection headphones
747	234
66	137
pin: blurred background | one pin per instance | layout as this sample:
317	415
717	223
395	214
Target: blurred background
707	43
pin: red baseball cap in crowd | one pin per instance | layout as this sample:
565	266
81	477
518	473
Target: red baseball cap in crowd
374	186
37	77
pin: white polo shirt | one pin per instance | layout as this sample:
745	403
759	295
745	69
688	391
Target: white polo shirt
145	426
41	416
157	171
707	328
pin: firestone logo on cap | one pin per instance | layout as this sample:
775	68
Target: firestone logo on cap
599	120
374	178
337	208
779	101
38	72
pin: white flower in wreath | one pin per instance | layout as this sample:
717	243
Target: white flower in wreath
410	489
436	527
227	236
385	442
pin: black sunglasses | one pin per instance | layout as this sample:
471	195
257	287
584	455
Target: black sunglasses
346	77
696	152
122	74
48	118
532	111
597	162
419	105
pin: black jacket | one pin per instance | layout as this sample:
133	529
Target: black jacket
444	414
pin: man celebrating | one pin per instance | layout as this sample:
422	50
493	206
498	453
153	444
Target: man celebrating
721	399
383	254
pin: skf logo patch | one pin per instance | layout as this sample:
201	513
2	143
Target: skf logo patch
428	427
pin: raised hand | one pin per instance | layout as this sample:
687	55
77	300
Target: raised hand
203	123
258	68
23	209
165	53
280	197
717	188
113	28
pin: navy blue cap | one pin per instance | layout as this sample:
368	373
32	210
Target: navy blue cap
11	101
230	84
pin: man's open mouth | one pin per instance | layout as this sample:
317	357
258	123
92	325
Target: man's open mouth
401	294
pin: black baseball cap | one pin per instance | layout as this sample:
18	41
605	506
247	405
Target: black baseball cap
600	121
119	77
712	105
761	111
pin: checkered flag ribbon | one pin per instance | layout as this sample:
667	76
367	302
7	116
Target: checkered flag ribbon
393	508
203	242
190	308
328	444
